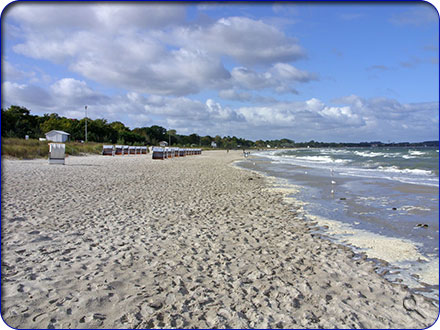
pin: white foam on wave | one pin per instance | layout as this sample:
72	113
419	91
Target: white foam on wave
335	151
341	166
321	159
425	178
395	169
311	161
369	154
416	153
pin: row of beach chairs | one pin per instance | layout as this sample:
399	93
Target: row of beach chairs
164	153
57	152
111	150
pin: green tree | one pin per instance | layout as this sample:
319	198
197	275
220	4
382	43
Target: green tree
206	141
156	134
194	139
18	122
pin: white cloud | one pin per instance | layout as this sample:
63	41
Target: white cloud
149	48
245	40
281	77
12	73
249	79
50	17
341	114
232	94
24	95
72	91
288	72
140	15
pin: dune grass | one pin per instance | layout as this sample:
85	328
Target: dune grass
32	148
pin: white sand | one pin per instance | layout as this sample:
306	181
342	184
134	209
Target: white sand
128	242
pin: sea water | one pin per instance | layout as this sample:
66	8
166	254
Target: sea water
383	202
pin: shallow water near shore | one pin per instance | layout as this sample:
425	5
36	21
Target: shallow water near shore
383	203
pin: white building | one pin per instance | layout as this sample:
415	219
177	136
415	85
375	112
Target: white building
57	136
163	143
213	144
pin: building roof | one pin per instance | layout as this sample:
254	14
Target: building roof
58	132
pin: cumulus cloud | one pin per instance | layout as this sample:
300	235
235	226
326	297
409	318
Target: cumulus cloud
281	77
66	97
72	91
149	48
102	16
245	40
23	94
16	74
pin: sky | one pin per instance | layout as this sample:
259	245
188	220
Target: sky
330	72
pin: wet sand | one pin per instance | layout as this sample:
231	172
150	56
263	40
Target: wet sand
131	242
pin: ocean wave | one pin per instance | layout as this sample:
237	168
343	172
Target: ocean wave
416	153
410	176
415	171
321	159
370	154
367	168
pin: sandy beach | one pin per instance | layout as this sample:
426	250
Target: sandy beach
193	242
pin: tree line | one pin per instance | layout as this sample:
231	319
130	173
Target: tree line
18	122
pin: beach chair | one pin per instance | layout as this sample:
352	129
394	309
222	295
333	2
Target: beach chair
125	150
144	150
108	150
119	150
167	152
158	153
57	153
132	150
181	152
138	151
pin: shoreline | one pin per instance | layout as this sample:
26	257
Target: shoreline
406	261
188	242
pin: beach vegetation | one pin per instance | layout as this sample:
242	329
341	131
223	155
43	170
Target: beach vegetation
33	148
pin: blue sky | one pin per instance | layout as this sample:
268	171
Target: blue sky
328	72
